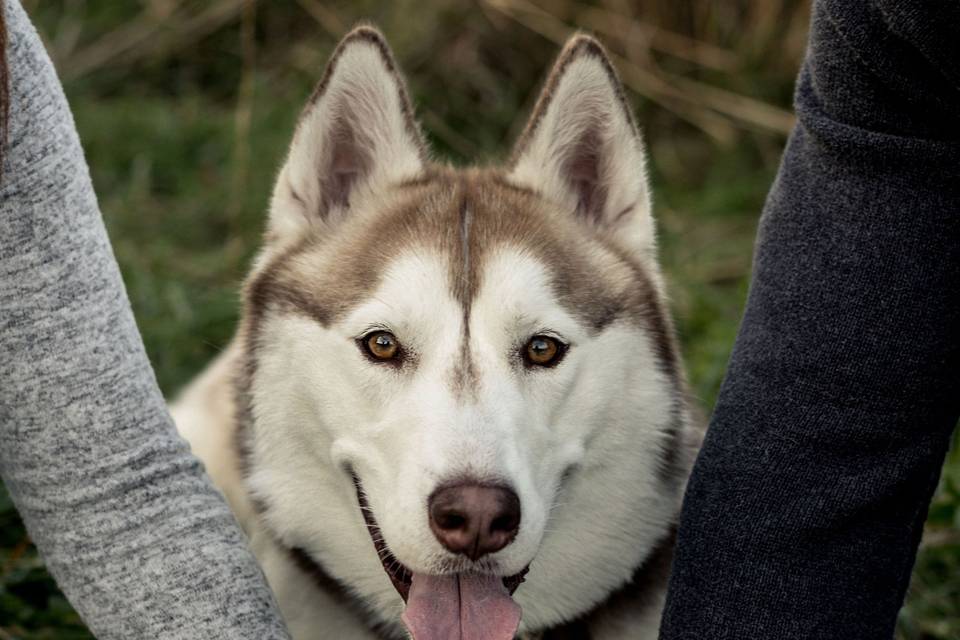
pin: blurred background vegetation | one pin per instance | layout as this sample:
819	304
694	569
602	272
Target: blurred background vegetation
185	109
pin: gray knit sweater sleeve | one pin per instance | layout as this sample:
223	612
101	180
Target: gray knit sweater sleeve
122	513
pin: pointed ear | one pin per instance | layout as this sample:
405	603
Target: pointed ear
582	149
356	135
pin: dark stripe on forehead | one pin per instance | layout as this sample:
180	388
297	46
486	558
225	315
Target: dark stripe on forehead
463	277
463	289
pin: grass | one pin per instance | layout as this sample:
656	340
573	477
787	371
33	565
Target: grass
185	128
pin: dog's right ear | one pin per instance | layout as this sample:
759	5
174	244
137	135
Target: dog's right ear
356	136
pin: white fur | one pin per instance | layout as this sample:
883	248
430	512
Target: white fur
321	405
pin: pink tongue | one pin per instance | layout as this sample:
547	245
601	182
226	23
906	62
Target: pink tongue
460	607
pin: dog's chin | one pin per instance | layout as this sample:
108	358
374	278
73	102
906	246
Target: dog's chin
401	576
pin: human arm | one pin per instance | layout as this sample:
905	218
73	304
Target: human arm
806	505
123	515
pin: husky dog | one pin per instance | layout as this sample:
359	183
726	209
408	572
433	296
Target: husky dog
454	406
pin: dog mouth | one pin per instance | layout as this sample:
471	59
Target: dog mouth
400	576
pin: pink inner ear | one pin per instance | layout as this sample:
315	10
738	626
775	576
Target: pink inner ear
348	163
582	171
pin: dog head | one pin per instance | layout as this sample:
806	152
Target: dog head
474	367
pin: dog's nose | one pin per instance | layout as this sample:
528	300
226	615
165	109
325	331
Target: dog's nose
474	519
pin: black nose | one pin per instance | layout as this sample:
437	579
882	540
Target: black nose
474	519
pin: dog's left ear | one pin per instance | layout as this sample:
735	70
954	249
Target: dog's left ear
356	136
582	149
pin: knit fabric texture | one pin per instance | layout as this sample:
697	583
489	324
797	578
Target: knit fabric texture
806	505
123	515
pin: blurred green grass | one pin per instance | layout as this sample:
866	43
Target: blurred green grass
185	110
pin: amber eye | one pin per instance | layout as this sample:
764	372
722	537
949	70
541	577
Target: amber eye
543	351
381	345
